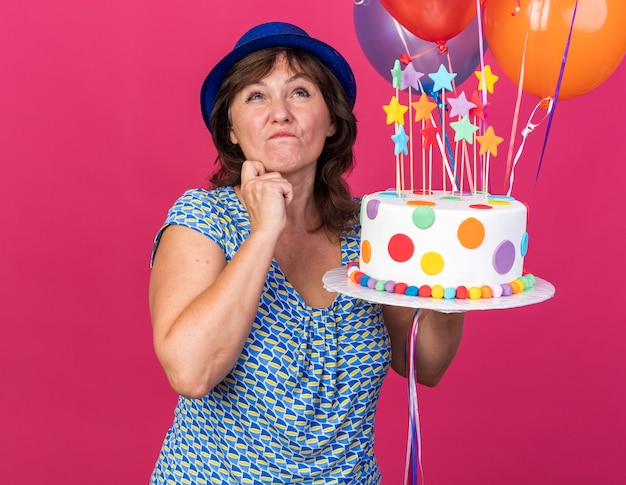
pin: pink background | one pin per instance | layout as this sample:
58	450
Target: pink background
100	131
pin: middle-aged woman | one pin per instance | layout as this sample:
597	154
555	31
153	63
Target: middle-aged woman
278	378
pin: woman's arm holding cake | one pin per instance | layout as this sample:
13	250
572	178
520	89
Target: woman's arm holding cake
438	338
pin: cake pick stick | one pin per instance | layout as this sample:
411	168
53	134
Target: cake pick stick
411	137
396	126
442	79
398	174
446	165
475	190
486	187
456	157
423	112
402	181
443	128
466	159
424	165
430	170
464	150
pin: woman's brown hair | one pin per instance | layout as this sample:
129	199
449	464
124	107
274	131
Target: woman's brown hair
331	193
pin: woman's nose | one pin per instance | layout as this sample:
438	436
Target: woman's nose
280	112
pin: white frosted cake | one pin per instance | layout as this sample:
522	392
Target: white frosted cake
442	245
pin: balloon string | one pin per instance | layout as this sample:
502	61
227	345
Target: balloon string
518	101
427	51
557	90
547	103
481	44
413	460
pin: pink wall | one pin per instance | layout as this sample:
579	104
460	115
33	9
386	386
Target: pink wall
100	131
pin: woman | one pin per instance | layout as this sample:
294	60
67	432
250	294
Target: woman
278	378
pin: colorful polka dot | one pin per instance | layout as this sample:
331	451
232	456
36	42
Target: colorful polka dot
499	202
471	233
400	248
366	250
504	257
371	208
420	202
432	263
524	244
481	206
423	217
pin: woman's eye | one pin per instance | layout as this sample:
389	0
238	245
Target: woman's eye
301	92
253	97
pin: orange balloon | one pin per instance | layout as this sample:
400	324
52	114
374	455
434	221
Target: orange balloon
597	45
433	20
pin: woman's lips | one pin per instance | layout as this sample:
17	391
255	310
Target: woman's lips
281	134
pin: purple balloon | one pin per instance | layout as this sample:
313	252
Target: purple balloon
383	39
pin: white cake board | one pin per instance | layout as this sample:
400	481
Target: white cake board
337	280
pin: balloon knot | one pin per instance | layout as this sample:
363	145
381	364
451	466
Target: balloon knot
404	59
517	9
546	103
443	48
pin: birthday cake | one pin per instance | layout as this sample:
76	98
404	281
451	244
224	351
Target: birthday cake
438	244
451	238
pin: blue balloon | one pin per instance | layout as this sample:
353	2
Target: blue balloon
383	40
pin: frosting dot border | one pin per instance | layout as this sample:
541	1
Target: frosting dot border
524	282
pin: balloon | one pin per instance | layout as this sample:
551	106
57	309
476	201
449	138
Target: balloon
597	45
434	20
383	40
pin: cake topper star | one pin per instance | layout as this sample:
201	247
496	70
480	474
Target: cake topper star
479	110
464	129
429	134
396	75
423	107
401	140
490	79
442	78
489	142
395	111
460	105
411	77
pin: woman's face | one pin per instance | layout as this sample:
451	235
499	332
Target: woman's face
281	121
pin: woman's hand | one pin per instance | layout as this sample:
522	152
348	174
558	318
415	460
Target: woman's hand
266	196
438	338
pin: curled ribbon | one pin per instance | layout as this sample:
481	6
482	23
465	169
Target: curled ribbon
413	463
548	105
